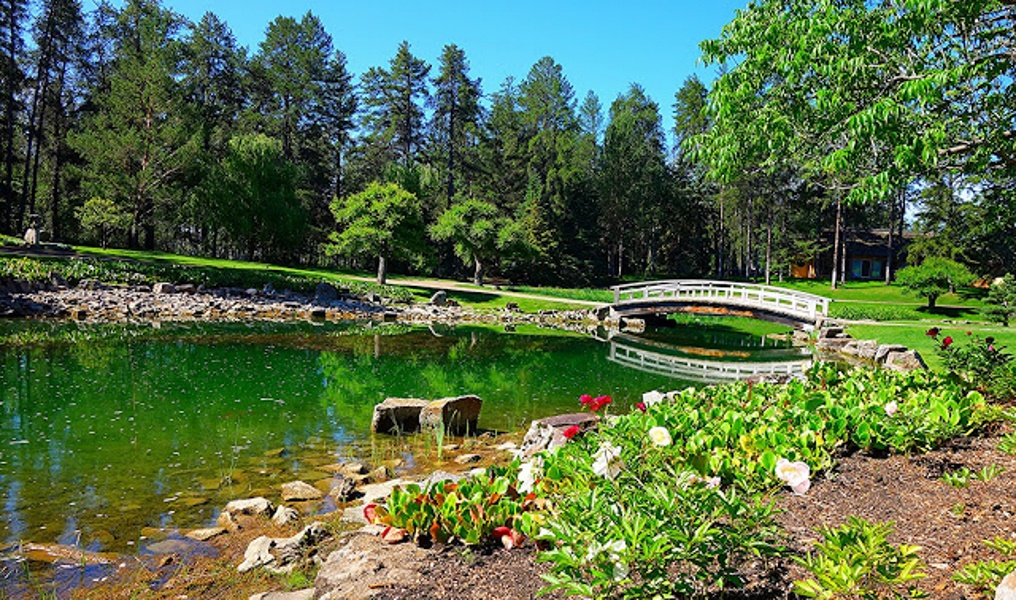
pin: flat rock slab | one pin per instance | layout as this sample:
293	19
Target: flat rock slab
300	490
364	567
250	506
203	535
307	594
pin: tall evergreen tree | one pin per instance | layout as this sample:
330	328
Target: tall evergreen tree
138	142
59	48
634	181
13	15
335	113
293	60
394	99
456	114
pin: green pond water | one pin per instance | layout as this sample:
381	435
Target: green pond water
105	431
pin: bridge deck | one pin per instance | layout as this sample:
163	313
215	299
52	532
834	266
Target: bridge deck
797	305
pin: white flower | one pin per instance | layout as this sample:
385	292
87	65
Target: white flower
891	408
794	474
653	397
660	436
620	571
607	461
712	482
529	472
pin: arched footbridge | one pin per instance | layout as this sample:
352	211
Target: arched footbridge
659	298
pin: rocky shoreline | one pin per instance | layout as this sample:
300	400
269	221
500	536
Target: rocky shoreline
96	302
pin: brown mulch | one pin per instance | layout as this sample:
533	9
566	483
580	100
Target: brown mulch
949	524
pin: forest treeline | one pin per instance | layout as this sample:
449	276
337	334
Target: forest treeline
136	127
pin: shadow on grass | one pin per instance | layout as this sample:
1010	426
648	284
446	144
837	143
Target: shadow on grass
460	296
949	312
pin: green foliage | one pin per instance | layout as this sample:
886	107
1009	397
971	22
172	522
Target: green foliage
959	479
383	221
989	472
1001	301
873	312
102	217
659	514
253	197
985	575
477	231
468	510
980	363
934	277
856	560
1008	443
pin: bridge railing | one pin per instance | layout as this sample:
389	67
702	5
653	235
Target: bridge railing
699	370
724	292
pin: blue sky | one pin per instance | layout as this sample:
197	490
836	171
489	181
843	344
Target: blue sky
603	46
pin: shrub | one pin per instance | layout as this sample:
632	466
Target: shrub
855	560
1001	301
672	499
934	277
979	363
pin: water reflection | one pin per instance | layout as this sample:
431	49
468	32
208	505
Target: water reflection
107	431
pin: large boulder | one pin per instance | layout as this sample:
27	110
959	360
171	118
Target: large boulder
458	415
299	490
397	415
163	287
325	293
440	298
883	351
548	433
282	555
905	361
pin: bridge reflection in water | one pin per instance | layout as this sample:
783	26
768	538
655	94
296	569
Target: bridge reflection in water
673	361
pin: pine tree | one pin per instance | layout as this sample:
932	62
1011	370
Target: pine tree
457	114
138	143
13	14
394	99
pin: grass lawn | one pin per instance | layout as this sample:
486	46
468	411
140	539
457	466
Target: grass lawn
474	297
913	335
875	292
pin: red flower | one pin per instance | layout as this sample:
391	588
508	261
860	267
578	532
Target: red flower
932	333
586	400
641	406
571	432
370	512
968	333
600	402
502	531
947	341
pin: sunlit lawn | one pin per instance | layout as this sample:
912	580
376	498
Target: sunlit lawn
914	336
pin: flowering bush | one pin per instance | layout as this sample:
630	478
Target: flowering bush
979	363
671	500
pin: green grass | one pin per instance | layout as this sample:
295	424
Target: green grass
588	294
9	240
733	324
914	336
877	292
492	300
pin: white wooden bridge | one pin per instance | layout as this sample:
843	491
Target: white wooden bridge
696	369
726	297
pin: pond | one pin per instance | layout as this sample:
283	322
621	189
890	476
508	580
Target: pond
107	430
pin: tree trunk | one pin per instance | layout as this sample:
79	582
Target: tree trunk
836	241
889	242
931	302
382	270
478	272
769	247
720	245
